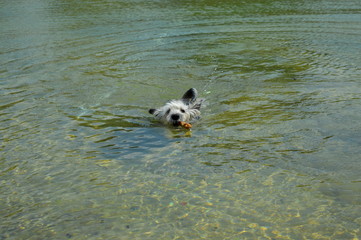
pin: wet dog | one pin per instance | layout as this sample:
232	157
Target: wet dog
186	109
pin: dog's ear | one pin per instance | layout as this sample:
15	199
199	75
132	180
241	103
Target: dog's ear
190	96
152	110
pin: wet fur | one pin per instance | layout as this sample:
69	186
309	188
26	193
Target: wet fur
186	109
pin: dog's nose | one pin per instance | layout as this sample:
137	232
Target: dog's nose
175	117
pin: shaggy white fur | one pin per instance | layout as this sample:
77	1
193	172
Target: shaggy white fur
187	109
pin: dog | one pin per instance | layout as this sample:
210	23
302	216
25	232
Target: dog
186	109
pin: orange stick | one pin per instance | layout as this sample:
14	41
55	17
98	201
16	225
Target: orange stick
185	125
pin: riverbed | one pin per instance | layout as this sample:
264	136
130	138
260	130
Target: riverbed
276	154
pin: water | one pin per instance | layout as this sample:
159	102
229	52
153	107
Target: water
276	155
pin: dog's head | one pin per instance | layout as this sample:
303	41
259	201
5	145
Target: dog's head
186	109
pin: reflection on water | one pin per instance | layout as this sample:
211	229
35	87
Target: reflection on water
276	155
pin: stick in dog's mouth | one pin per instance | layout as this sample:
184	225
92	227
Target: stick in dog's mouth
185	125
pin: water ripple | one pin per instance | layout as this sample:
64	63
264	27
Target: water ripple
281	128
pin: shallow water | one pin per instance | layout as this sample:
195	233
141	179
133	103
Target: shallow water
275	156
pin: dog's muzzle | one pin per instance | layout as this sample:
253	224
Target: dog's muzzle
175	117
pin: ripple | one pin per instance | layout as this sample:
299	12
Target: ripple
280	129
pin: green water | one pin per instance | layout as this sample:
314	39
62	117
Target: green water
275	156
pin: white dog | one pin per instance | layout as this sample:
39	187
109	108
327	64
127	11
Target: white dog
187	109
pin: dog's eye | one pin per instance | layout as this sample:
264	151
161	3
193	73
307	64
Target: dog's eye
182	110
167	112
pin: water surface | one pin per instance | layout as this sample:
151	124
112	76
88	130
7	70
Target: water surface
276	155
